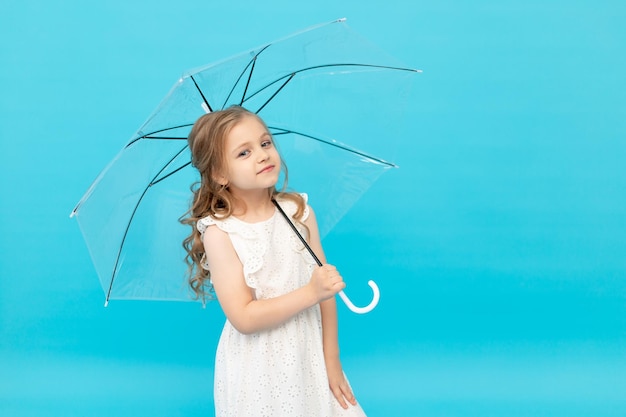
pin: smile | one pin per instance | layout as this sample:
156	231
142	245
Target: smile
268	168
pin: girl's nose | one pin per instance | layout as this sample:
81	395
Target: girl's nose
262	155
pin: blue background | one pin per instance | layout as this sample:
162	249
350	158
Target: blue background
499	245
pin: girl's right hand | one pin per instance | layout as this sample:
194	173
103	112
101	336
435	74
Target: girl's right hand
326	282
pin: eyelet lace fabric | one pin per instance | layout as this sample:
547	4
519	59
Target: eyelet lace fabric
280	371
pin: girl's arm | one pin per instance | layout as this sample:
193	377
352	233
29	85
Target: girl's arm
336	379
247	314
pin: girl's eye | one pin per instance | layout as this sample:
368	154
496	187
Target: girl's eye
243	153
266	143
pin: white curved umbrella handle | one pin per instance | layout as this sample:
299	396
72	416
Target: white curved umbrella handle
367	308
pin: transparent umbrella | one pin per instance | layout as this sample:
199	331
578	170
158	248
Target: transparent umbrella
333	102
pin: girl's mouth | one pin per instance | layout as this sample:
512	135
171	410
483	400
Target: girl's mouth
266	169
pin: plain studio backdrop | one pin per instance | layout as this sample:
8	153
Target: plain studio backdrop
499	245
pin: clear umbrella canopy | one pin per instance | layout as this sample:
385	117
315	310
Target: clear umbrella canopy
333	102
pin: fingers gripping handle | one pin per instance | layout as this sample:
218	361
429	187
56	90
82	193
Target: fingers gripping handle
367	308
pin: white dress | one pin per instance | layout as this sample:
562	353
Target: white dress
281	371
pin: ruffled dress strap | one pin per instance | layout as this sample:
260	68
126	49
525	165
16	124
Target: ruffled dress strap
290	207
246	239
228	224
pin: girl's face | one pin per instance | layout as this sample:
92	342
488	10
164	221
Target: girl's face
252	161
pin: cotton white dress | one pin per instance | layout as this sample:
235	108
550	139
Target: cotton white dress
278	372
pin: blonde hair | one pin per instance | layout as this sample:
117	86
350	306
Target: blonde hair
207	145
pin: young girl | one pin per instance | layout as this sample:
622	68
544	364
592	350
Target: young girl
278	354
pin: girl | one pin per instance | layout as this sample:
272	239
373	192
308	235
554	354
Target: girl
278	354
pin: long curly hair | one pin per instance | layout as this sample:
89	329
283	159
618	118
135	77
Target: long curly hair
207	145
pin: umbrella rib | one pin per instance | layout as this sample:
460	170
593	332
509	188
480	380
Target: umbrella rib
252	61
148	135
291	75
276	92
201	93
170	174
335	144
130	220
237	82
165	137
245	90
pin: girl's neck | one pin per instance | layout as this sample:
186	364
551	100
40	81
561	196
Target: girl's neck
254	207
